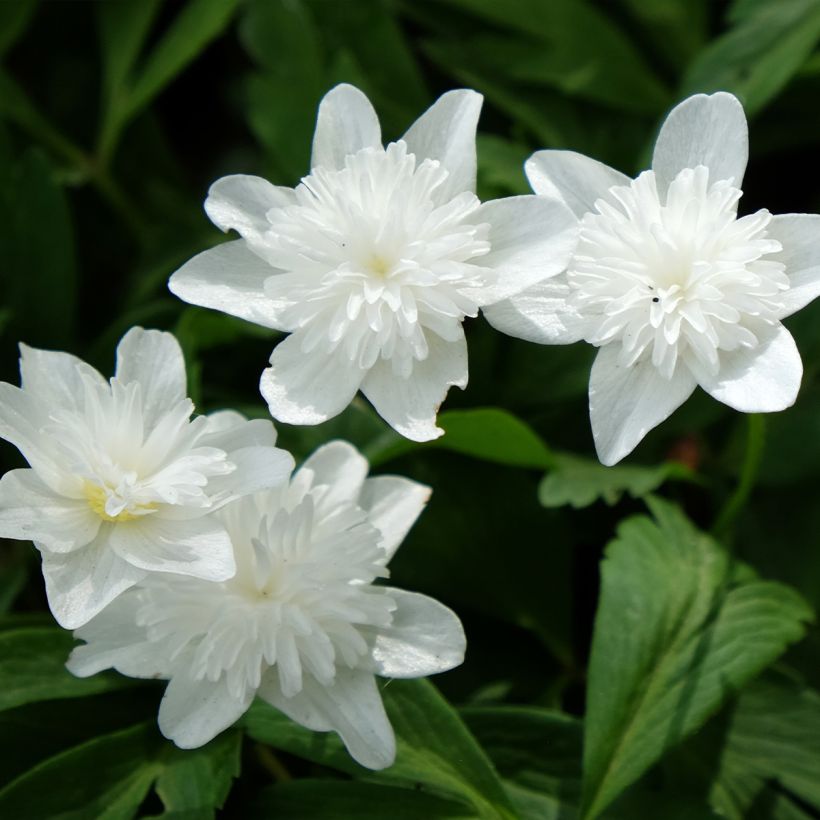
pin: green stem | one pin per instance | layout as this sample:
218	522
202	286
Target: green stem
755	439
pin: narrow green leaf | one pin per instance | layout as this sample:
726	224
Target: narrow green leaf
679	629
199	780
759	56
14	18
436	752
317	799
105	779
32	668
580	482
485	432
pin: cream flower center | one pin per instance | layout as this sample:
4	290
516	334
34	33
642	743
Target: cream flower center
678	280
377	256
302	592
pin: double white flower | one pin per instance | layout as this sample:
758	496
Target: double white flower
301	624
373	262
122	482
674	288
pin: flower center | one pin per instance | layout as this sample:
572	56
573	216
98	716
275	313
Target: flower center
380	256
111	505
676	281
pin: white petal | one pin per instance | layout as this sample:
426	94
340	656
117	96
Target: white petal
425	638
345	124
229	430
230	278
341	468
193	712
625	403
543	314
241	202
114	640
299	707
705	130
55	379
763	380
154	360
31	511
353	707
80	584
573	178
532	239
800	236
393	504
308	388
410	405
199	547
257	468
446	132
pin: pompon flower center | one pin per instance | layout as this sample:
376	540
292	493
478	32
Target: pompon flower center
126	470
376	257
677	280
301	595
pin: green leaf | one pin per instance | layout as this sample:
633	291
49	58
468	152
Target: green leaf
32	668
679	628
317	799
199	780
580	482
758	57
14	18
435	751
105	779
485	432
40	278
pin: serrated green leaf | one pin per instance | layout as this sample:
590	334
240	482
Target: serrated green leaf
580	482
756	58
32	668
435	751
317	799
679	628
487	433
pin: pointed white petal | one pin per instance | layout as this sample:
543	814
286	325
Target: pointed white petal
199	547
800	236
446	132
341	468
230	278
154	360
114	640
299	707
353	707
82	583
192	712
31	511
763	380
240	202
532	239
257	468
542	313
308	388
705	130
55	379
410	405
393	504
625	403
346	123
573	178
425	638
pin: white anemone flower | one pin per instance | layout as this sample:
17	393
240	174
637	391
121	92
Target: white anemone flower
673	287
122	482
373	262
301	625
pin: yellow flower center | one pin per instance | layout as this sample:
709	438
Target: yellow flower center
96	496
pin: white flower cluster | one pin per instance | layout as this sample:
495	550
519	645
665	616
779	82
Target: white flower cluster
185	549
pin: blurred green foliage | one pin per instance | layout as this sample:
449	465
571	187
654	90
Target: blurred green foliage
116	115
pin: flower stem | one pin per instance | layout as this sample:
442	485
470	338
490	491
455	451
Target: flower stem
755	439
